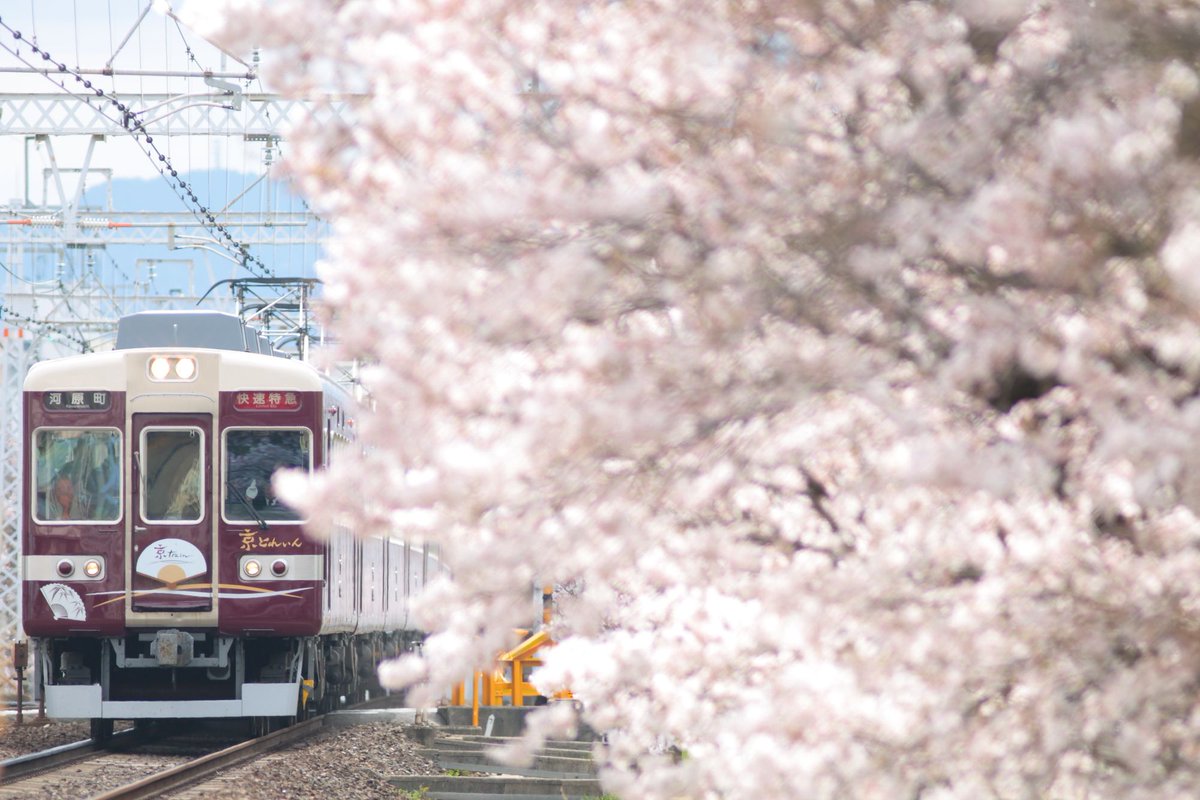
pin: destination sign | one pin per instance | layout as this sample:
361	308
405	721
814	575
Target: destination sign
76	401
266	401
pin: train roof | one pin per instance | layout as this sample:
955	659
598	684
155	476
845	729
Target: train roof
248	361
237	371
212	330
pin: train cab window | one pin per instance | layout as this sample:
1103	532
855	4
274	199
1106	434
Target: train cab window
172	476
77	475
252	456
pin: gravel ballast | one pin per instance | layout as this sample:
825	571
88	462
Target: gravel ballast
32	735
351	762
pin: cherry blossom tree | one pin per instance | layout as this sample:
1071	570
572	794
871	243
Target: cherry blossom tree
840	356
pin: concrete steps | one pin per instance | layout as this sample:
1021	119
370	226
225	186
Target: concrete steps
479	741
444	787
543	766
459	730
557	749
562	770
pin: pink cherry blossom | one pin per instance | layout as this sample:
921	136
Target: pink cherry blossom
837	361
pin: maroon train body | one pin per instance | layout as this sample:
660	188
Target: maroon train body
160	576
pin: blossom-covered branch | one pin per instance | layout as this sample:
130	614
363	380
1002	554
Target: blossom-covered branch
841	356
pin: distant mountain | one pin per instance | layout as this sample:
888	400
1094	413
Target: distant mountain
148	269
214	188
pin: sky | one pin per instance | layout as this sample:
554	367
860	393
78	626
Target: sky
89	35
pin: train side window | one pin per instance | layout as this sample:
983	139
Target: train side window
77	475
252	456
172	477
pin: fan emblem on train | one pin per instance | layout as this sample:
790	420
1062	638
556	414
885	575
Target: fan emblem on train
64	602
171	561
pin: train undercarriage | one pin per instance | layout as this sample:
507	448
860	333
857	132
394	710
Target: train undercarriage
172	674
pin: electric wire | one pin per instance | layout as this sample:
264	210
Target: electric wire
66	297
141	65
75	7
111	46
42	328
117	266
232	246
130	122
8	269
191	55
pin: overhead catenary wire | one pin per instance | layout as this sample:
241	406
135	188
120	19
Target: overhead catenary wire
66	296
187	47
141	50
75	8
136	128
9	270
117	266
11	315
178	185
111	48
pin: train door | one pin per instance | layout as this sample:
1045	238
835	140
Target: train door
172	518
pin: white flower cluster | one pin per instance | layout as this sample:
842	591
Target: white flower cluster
838	360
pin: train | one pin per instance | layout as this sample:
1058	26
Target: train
160	576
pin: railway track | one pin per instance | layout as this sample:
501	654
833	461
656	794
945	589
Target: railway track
133	766
21	767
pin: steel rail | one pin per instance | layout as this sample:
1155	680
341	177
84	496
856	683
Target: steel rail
19	767
189	773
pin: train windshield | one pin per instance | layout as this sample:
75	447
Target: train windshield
252	456
77	474
172	483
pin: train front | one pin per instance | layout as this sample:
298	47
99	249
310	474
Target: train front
161	579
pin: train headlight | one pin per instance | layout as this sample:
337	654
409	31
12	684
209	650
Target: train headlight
92	568
252	568
66	568
185	368
160	368
171	368
279	568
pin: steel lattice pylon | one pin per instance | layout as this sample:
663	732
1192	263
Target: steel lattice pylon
16	353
